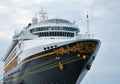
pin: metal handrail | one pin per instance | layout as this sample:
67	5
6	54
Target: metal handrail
85	36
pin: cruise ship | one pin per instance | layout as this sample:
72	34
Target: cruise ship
49	51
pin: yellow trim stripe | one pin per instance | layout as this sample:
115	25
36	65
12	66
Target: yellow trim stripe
44	55
48	67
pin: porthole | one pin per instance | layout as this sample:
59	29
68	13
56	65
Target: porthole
51	46
44	48
48	48
55	45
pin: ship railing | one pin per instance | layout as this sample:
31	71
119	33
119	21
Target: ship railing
85	36
58	24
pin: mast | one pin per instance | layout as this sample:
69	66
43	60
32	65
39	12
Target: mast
42	14
87	19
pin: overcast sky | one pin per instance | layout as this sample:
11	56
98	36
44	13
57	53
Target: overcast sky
104	18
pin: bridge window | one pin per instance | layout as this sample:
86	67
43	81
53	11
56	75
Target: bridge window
65	34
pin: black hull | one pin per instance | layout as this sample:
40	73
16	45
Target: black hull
62	65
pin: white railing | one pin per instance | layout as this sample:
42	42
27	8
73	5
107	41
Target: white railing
85	36
53	24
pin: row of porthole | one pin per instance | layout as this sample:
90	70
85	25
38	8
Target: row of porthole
51	47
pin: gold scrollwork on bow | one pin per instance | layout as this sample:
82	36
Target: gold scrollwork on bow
81	47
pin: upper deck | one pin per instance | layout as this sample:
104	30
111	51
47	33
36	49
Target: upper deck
54	28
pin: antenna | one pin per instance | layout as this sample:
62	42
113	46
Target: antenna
87	17
42	14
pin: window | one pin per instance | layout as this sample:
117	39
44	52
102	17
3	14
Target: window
50	33
53	33
47	34
51	46
55	46
19	45
48	48
44	33
44	48
67	34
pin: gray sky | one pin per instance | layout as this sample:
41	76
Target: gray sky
104	23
